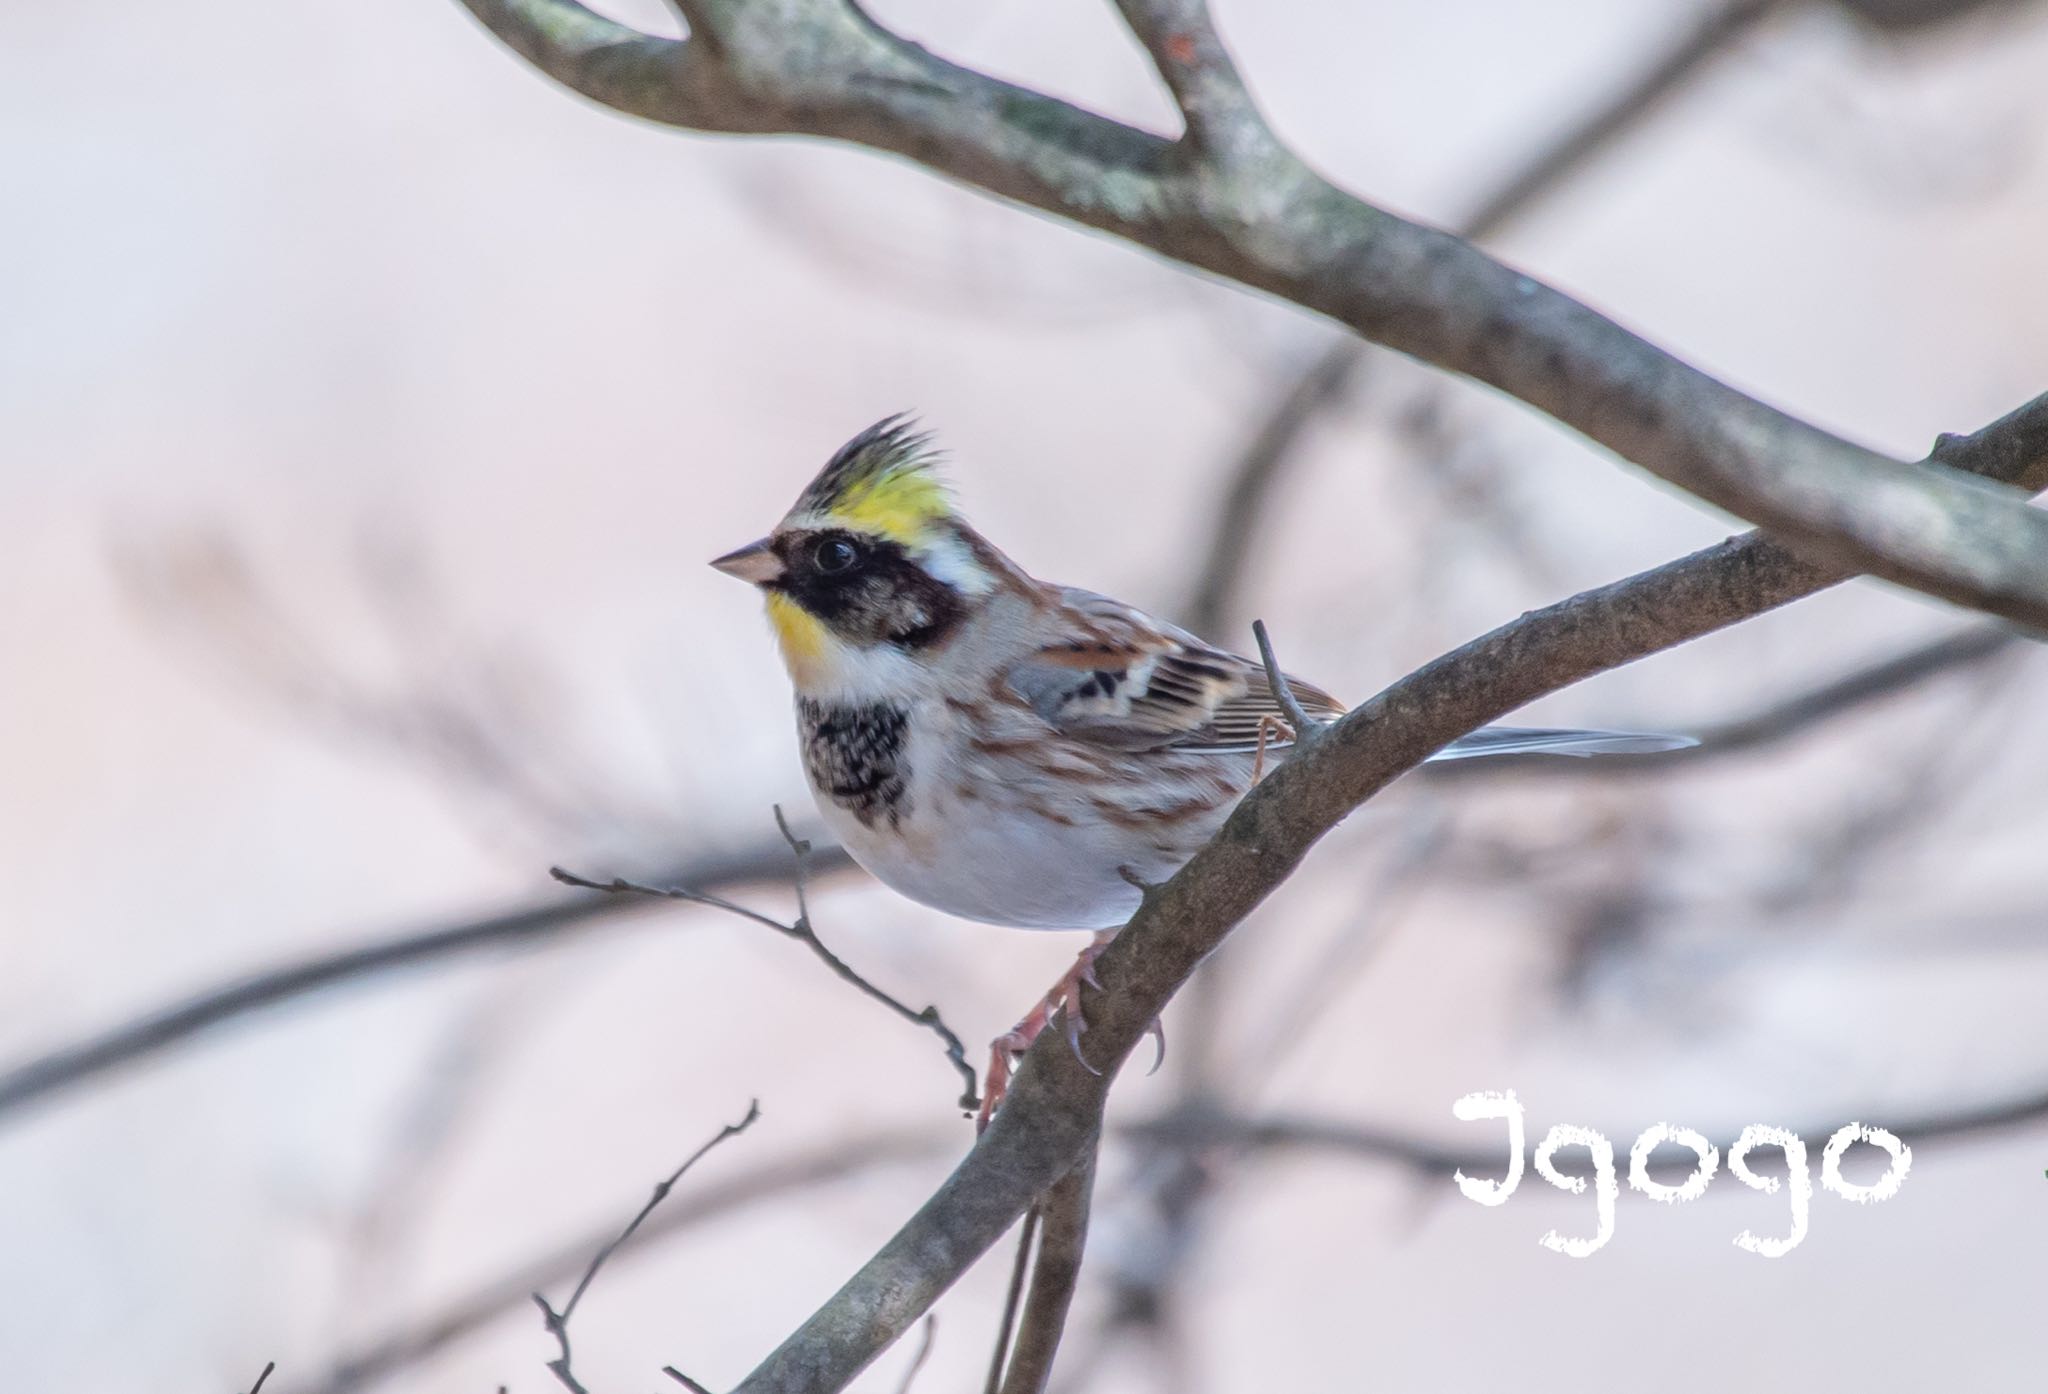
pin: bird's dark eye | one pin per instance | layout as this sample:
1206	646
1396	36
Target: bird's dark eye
835	555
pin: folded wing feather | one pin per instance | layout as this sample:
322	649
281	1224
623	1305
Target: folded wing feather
1131	683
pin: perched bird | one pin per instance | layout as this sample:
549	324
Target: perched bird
1000	747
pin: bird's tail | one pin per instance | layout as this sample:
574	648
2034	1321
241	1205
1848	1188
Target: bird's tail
1532	740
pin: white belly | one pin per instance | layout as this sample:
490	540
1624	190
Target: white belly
980	863
991	838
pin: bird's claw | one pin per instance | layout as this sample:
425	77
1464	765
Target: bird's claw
1065	998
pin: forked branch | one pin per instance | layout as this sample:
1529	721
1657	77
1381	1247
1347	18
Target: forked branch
1230	198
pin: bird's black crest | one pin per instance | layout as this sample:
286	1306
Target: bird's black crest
892	446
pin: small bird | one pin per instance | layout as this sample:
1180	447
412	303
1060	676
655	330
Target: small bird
1006	749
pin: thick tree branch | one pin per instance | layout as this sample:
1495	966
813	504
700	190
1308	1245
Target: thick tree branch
1052	1107
1257	215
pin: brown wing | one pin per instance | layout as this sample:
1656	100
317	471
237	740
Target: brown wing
1126	681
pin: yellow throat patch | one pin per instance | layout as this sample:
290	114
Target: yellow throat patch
801	636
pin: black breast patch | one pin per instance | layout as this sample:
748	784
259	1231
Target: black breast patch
853	753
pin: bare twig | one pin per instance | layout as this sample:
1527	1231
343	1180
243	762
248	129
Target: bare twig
803	933
1306	728
429	1334
1013	1301
1056	1271
1875	682
557	1322
257	1387
927	1334
547	922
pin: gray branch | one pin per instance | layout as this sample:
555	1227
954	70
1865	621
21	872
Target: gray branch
1275	442
1055	1273
545	922
1230	198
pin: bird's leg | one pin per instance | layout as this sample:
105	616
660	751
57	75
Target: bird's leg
1064	996
1269	725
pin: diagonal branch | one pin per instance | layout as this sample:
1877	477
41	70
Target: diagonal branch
424	1336
1052	1107
1264	219
545	922
557	1319
1329	378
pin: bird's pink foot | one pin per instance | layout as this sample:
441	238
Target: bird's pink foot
1065	997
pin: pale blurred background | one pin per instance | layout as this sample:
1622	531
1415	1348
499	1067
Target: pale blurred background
371	408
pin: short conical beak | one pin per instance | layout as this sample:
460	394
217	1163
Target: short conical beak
756	563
